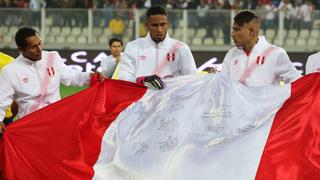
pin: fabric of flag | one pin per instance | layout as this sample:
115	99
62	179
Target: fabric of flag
198	127
63	140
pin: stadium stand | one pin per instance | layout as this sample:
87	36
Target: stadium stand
89	30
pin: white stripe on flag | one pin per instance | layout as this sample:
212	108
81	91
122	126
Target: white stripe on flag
198	128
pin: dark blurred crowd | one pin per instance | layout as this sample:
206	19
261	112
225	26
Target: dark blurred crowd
204	15
126	4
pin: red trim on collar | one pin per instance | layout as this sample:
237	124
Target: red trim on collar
247	52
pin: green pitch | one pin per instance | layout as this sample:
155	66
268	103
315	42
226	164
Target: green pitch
69	90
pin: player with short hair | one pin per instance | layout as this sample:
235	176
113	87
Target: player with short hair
109	64
254	61
147	60
33	79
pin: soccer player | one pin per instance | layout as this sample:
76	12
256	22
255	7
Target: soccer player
147	60
254	61
13	110
109	64
34	78
313	63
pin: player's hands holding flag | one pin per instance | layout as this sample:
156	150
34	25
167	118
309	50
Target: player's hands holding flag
2	128
96	77
153	81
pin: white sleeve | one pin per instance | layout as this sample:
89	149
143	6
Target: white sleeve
285	69
188	66
225	64
127	65
6	94
107	67
309	66
69	76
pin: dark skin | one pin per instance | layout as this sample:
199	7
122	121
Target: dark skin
2	128
246	36
158	27
115	50
32	51
14	110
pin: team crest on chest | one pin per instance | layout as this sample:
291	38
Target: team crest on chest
260	61
50	71
170	57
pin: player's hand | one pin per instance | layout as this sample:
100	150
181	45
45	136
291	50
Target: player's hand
98	76
2	128
153	80
213	70
101	77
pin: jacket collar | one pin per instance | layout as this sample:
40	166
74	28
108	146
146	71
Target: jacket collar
160	44
26	60
260	45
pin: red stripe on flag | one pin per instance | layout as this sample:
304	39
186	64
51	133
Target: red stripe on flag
63	140
292	151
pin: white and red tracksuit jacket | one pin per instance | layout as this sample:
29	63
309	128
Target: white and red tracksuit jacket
35	84
313	63
266	64
144	57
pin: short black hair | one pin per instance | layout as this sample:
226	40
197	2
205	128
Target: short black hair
156	10
22	34
245	17
112	40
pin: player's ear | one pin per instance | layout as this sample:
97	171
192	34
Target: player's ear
253	31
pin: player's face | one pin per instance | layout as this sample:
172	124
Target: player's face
240	35
33	50
158	27
116	49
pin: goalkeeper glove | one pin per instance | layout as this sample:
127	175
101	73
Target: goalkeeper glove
153	80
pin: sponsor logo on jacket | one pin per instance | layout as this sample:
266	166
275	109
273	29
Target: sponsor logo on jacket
25	80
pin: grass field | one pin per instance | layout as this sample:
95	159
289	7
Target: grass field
69	90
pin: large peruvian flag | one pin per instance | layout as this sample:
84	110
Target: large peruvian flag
199	127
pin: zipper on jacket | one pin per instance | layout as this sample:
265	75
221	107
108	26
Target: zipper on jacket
157	59
39	79
246	69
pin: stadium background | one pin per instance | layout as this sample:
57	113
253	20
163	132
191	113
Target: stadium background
80	29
